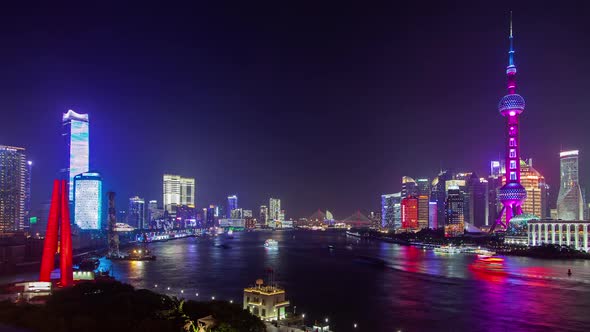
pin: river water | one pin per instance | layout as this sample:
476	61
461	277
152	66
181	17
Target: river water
417	290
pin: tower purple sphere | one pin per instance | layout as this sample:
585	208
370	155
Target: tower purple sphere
512	194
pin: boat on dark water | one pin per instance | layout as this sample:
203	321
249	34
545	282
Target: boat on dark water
135	254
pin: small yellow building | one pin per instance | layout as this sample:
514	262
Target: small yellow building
265	301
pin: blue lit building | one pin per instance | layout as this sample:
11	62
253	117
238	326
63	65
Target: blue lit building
136	214
76	134
88	201
232	204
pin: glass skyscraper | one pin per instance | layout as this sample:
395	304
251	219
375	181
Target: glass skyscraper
136	214
88	200
570	204
274	209
178	191
76	134
232	204
13	188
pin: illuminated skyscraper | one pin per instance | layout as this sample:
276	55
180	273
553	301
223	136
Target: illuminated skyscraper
13	188
232	204
477	204
423	211
88	200
263	215
274	209
454	212
409	213
178	191
388	210
512	194
136	214
76	134
409	187
570	204
432	215
438	194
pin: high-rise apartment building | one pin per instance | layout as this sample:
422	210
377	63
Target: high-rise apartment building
570	204
88	201
136	213
13	188
76	132
274	210
178	191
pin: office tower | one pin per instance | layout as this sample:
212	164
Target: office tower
76	132
454	208
512	194
570	205
232	204
28	181
477	204
537	190
282	214
236	214
388	210
247	214
495	182
274	209
423	186
438	194
409	187
136	214
211	216
263	215
88	200
13	188
432	215
423	211
178	190
154	213
409	213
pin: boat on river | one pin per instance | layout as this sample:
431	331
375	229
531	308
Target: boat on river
447	249
270	243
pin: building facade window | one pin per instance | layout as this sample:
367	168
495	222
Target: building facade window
512	164
512	142
512	175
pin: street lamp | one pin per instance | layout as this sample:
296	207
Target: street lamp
354	325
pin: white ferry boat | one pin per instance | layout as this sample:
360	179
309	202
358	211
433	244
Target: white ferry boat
447	250
270	243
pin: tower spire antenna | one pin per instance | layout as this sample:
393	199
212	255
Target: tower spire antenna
511	51
510	24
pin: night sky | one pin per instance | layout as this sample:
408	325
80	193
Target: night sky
325	105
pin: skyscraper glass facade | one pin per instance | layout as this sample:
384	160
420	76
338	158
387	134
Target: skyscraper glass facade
136	214
76	133
178	190
13	188
88	201
570	204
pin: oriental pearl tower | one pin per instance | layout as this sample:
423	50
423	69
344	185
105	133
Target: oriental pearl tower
512	194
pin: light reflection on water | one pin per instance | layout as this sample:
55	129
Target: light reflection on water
418	290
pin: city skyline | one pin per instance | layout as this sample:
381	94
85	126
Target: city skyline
320	156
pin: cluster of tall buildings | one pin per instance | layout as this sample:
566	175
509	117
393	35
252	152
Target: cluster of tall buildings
457	202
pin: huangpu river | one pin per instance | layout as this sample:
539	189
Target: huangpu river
416	290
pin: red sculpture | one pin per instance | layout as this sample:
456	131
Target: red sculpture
59	214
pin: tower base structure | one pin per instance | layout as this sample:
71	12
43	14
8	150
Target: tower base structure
58	221
511	195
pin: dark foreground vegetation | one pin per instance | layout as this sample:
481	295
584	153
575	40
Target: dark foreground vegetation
114	306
